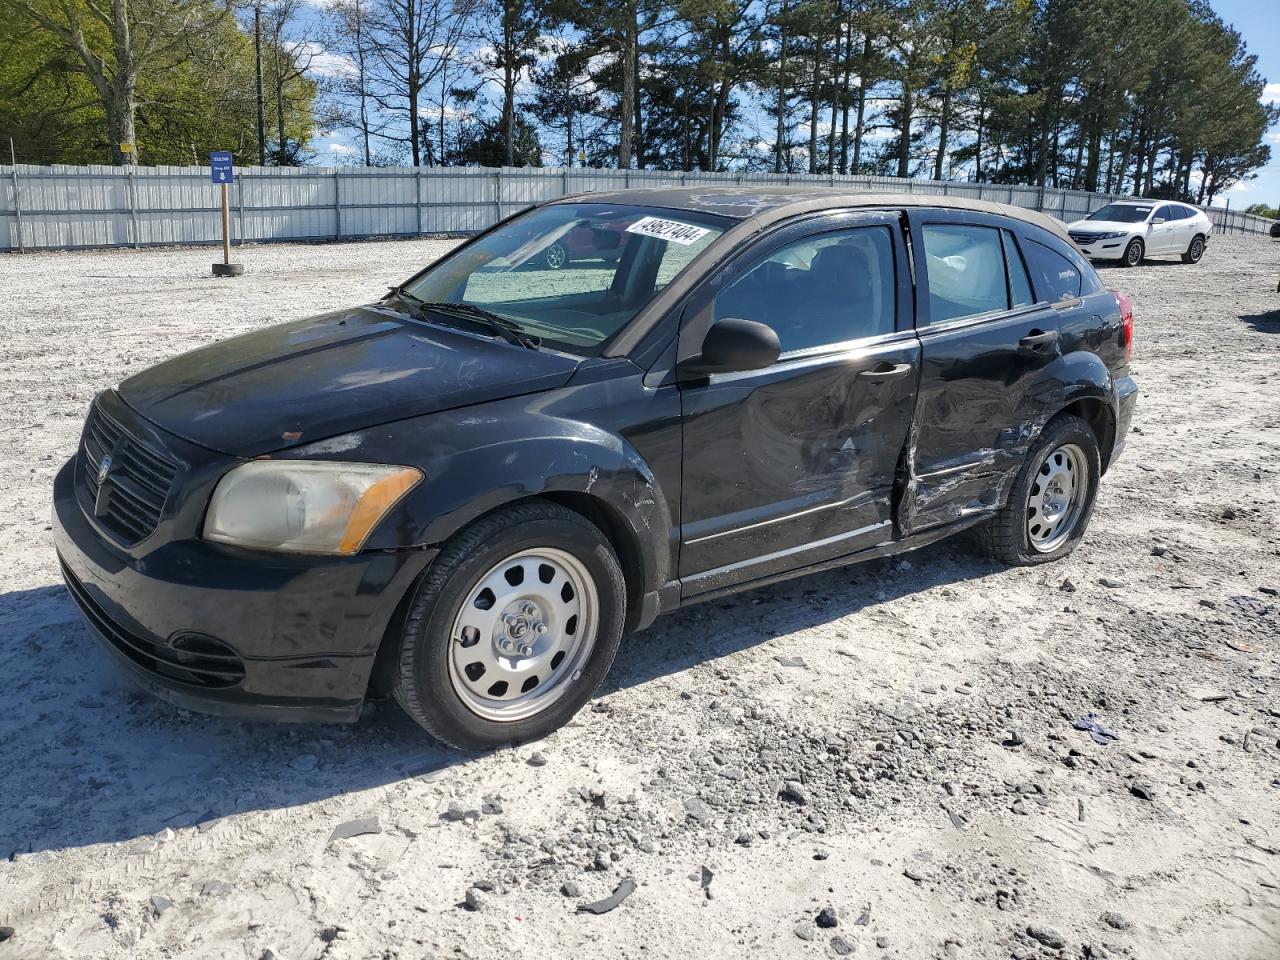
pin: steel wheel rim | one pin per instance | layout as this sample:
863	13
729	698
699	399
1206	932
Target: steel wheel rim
515	648
1057	496
555	256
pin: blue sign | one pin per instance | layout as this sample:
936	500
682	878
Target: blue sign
220	166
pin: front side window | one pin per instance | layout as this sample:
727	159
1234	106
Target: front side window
821	290
571	274
966	271
1165	213
1123	213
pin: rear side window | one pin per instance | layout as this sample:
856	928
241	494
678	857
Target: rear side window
966	271
819	290
1056	277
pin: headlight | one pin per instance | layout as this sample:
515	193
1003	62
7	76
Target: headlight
305	506
1110	236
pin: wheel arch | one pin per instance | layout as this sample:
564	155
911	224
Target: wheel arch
1097	413
603	515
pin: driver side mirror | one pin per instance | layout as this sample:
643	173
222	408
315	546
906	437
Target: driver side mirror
733	346
1155	220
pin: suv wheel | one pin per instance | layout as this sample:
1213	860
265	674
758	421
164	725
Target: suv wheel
512	629
1195	251
1133	253
1051	502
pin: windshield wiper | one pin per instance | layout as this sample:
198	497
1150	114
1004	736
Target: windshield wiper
509	330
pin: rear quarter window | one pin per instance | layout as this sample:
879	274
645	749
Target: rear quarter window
1056	277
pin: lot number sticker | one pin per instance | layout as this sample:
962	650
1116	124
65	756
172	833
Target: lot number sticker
685	234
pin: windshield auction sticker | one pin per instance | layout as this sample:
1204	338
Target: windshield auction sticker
674	231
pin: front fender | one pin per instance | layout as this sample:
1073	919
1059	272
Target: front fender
477	459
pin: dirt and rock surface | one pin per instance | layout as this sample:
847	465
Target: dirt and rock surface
879	761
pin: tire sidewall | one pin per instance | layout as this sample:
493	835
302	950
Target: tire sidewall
1059	432
1195	251
430	632
1141	248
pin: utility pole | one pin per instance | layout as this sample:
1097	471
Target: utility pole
257	59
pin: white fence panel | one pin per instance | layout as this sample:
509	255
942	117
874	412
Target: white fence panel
62	207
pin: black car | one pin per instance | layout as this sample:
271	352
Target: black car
465	494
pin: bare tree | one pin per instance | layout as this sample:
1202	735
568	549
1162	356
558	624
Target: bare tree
410	43
350	37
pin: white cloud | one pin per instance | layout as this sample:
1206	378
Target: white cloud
322	62
342	150
1271	93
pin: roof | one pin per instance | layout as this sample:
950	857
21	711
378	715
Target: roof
769	204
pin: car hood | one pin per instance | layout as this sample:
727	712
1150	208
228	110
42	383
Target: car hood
313	379
1105	226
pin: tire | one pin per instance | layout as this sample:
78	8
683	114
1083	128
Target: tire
1275	231
1195	251
1008	536
1133	253
441	691
555	256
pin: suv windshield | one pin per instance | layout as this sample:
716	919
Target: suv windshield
571	274
1123	212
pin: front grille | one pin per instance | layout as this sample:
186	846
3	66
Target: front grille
137	483
192	659
1083	239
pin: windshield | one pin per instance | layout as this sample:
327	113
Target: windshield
571	274
1123	213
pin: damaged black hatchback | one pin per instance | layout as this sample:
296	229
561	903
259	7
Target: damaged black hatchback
466	493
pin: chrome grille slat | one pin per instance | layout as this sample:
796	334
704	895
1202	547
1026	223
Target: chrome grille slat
140	477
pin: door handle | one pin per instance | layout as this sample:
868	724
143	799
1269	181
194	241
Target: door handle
1037	339
885	371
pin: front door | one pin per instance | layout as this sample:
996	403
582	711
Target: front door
986	339
795	463
1165	232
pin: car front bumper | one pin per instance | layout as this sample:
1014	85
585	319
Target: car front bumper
230	631
1104	249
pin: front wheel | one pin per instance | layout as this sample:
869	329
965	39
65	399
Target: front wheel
1133	253
1195	251
512	628
1049	507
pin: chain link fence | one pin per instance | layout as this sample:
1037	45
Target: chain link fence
68	208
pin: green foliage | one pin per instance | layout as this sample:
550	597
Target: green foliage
199	97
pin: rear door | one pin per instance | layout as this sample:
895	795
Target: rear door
795	463
986	339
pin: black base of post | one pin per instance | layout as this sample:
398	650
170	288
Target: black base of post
228	269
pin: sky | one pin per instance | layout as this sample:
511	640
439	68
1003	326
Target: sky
1256	22
1254	19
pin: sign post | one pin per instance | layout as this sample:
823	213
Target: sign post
222	173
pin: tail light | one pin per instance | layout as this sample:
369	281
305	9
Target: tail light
1126	322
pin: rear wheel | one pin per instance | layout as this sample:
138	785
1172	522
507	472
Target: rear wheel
1133	253
1049	507
512	629
1195	251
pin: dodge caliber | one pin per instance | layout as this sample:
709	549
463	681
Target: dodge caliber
463	495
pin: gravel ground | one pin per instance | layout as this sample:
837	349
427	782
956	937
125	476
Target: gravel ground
878	761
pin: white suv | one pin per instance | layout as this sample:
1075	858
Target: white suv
1129	230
